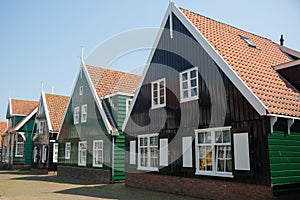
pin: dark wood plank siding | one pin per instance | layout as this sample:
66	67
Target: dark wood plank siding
178	120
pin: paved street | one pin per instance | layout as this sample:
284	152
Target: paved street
23	186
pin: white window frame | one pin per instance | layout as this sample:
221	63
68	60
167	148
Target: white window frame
214	145
18	144
44	154
189	87
80	90
96	152
67	150
82	153
148	155
35	152
76	115
159	104
84	113
55	152
41	127
128	104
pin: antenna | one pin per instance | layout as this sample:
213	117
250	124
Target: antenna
82	52
42	86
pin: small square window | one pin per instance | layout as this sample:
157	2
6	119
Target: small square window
189	84
80	90
158	90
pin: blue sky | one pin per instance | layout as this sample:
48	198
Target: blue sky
41	40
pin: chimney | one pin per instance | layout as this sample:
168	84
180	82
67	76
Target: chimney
281	40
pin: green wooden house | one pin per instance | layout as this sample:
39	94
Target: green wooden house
91	142
17	147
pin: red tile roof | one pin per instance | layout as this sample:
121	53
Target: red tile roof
3	128
22	107
56	105
252	65
107	81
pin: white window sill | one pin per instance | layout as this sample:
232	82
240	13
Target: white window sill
95	165
82	165
158	106
19	156
189	99
67	158
214	174
153	169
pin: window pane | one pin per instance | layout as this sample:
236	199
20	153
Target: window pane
207	138
162	92
194	92
218	135
185	94
184	76
194	83
153	141
162	84
201	138
185	85
193	74
226	136
154	86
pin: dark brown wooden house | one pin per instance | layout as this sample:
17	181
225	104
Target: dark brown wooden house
48	119
212	118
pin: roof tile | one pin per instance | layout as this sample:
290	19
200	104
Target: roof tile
252	65
22	107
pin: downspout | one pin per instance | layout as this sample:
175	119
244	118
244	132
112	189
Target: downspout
113	160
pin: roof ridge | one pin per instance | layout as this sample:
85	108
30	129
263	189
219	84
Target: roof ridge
112	70
56	95
225	24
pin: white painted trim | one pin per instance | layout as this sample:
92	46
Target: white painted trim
190	98
158	93
84	107
94	164
283	116
25	120
118	93
16	148
163	152
46	111
55	150
127	105
147	65
132	152
82	142
273	120
290	123
98	102
69	155
222	64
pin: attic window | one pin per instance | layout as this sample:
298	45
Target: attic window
248	41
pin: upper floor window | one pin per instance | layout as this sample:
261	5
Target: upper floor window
45	154
19	146
148	152
128	104
76	115
40	127
83	113
213	151
158	93
80	90
189	84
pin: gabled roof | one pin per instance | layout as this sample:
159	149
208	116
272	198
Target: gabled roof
21	107
24	120
252	65
107	81
55	109
3	128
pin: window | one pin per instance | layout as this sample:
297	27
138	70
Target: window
55	152
19	146
128	104
45	153
98	153
83	113
148	152
189	85
82	153
67	150
213	152
80	90
158	93
248	41
41	127
76	115
35	153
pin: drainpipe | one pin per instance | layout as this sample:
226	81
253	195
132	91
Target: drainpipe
113	160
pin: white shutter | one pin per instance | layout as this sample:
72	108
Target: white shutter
241	151
132	152
187	152
163	152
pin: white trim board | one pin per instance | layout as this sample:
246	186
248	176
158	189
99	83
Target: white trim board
45	105
19	125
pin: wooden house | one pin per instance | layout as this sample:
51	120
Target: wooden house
48	119
91	141
16	152
212	117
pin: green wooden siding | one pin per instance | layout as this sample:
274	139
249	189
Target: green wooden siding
284	152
